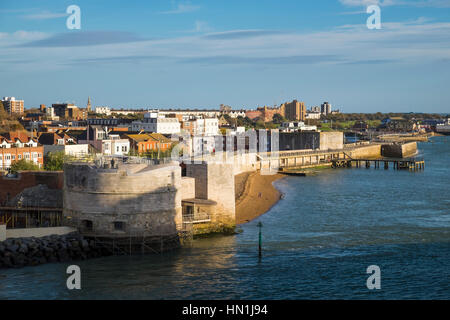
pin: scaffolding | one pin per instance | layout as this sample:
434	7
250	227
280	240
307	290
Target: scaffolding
140	241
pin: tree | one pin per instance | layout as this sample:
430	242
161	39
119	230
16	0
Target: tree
278	118
3	114
54	161
24	165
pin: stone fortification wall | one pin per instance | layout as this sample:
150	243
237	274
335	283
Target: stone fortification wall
215	181
331	140
399	150
137	197
187	188
370	151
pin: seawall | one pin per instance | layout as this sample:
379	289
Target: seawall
399	150
369	151
21	252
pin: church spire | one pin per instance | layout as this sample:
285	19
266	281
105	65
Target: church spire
88	107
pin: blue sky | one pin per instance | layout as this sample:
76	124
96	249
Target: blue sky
247	53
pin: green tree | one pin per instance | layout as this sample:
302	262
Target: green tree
278	118
54	161
24	165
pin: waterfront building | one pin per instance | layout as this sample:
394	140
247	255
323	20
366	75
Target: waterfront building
443	128
398	124
13	106
310	140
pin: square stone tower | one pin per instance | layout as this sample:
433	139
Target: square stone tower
215	181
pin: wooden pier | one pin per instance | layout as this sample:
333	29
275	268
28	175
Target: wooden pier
411	164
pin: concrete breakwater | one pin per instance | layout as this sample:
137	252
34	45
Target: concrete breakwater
399	150
21	252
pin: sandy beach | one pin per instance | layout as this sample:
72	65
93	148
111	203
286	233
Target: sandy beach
255	195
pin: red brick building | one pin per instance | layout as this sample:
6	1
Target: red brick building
15	146
148	142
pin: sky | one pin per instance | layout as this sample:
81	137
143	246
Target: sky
243	53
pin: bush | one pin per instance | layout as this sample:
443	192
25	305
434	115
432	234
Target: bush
54	161
24	165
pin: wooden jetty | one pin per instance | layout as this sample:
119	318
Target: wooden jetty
412	164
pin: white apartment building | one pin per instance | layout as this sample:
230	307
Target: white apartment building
103	110
153	123
296	126
313	115
236	113
115	146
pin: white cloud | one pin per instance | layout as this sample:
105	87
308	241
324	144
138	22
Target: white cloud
182	8
354	3
414	3
416	42
45	15
202	26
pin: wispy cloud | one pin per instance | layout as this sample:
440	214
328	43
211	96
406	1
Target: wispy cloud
414	3
241	34
45	15
417	42
85	38
359	3
202	26
182	8
289	60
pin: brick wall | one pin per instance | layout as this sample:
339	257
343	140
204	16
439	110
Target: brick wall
10	187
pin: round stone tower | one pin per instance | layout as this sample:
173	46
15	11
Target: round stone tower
125	200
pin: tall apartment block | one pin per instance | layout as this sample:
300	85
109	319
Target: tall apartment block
295	111
12	106
325	108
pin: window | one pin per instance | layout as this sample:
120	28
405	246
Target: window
20	157
119	225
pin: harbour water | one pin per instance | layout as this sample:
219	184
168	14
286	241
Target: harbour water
317	244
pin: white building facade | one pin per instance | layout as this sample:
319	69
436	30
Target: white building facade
157	124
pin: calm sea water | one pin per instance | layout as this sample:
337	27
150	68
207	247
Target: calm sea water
317	244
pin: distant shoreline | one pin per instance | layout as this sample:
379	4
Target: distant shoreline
257	197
